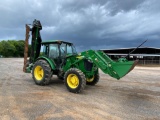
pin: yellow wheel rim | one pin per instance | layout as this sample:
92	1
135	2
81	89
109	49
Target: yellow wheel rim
38	73
90	79
72	81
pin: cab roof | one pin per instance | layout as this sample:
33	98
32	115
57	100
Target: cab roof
55	41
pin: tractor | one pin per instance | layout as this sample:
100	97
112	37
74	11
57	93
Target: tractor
60	58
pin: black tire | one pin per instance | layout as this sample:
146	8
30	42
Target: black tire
94	81
74	74
44	77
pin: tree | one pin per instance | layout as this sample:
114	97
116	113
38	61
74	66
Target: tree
1	47
19	45
7	49
13	48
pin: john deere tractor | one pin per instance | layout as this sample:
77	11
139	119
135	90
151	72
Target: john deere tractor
60	58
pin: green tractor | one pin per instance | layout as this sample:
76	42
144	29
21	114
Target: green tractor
60	58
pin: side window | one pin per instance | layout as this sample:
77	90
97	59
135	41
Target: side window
45	50
53	51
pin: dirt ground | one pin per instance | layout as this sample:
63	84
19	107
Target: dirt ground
134	97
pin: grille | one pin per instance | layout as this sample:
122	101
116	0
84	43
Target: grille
88	65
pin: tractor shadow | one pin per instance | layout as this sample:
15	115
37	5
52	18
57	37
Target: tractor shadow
55	80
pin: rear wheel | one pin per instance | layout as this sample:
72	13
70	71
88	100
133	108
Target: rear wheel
42	72
93	80
75	80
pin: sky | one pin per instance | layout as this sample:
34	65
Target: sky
89	24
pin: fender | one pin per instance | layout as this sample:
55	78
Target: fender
51	62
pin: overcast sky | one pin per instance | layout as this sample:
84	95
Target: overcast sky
90	24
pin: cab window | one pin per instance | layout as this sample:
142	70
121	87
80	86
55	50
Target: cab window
45	50
53	51
63	49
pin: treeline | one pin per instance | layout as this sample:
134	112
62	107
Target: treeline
12	48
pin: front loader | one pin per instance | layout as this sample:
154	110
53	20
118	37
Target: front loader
60	58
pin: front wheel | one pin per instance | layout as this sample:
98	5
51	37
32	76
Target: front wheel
75	80
41	72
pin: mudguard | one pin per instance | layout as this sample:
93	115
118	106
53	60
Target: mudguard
50	61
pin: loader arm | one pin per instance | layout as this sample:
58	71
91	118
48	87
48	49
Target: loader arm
116	69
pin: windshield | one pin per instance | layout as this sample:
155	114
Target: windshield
71	49
67	49
74	49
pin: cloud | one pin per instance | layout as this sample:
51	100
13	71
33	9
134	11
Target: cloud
90	24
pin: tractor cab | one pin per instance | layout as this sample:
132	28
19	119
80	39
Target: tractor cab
58	50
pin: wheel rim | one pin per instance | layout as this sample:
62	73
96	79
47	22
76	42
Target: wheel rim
38	73
90	79
72	81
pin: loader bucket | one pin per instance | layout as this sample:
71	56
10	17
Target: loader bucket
116	69
120	69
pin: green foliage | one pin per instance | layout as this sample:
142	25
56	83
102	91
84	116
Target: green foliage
12	48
